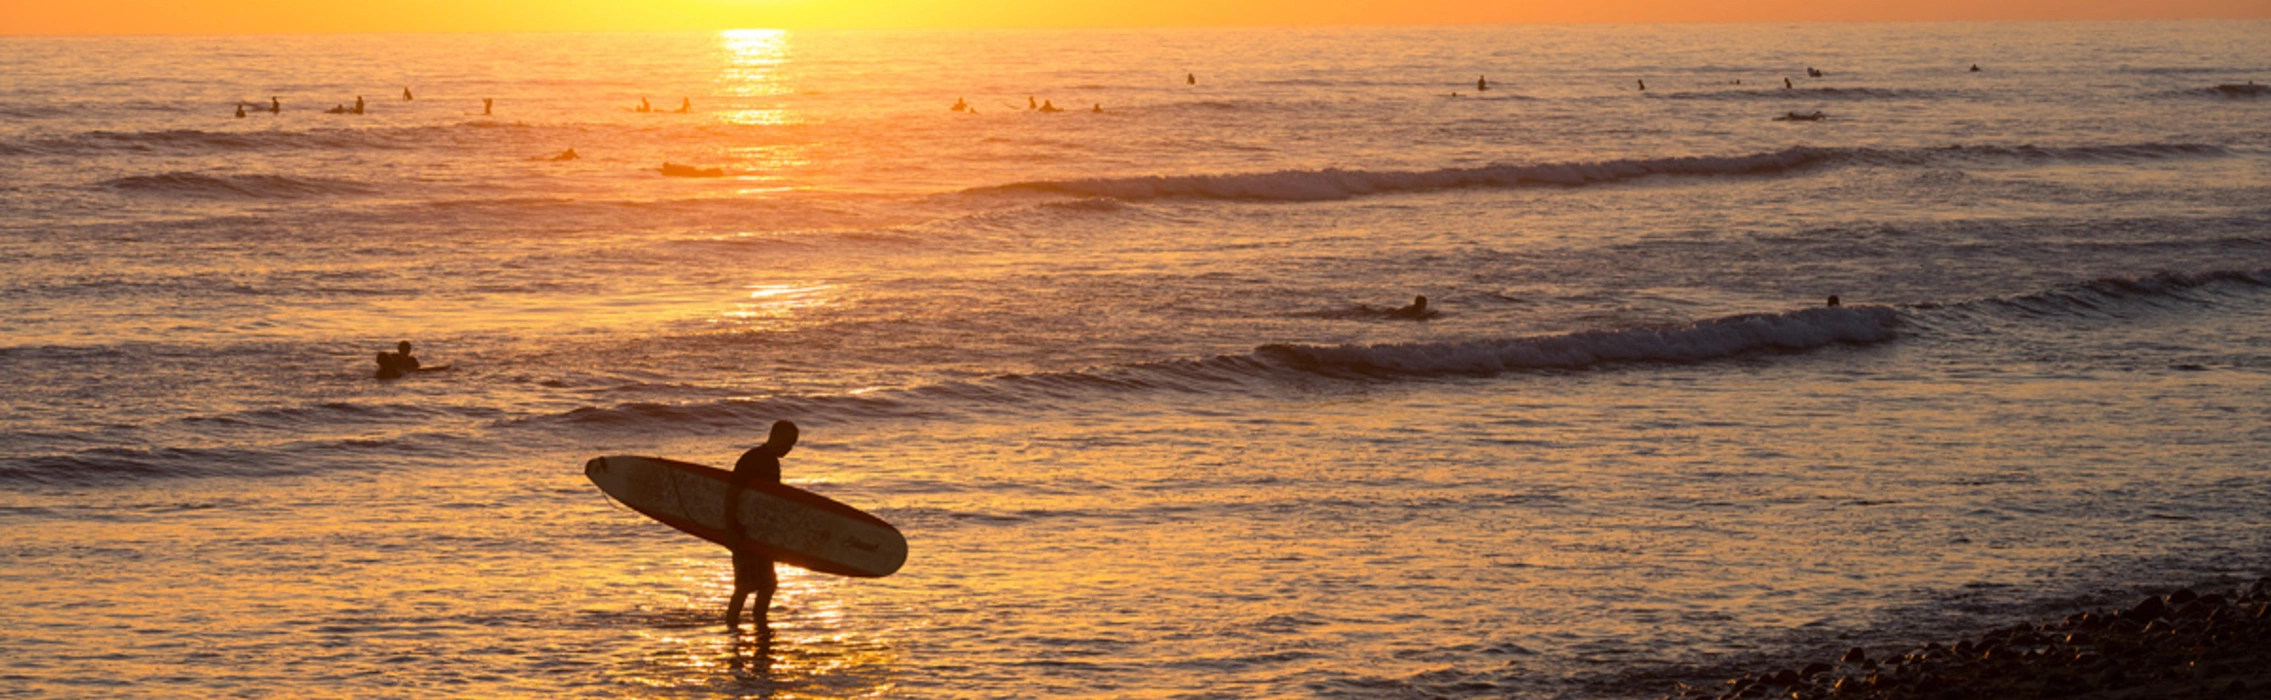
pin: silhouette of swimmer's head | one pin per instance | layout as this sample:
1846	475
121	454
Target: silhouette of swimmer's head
1419	302
402	347
1832	300
783	438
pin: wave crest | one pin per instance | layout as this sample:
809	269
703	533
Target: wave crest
1338	183
182	184
1693	342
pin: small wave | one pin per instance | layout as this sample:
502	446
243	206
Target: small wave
2102	296
1812	93
182	184
112	465
1336	183
1694	342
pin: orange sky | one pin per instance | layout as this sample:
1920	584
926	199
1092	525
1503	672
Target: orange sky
268	16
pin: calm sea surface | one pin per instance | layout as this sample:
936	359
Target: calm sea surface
1126	378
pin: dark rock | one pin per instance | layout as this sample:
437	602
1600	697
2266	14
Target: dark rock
1815	669
2146	610
2193	610
2077	638
1854	656
1785	677
2182	596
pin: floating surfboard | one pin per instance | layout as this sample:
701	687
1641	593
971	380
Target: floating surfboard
793	525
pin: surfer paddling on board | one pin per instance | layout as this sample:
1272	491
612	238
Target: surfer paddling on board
752	568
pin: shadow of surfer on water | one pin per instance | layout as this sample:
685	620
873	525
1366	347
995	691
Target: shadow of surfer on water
752	567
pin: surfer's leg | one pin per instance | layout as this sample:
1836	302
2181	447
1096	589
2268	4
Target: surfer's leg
766	584
733	609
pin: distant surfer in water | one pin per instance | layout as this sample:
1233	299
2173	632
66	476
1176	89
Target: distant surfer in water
487	104
685	105
1643	85
406	95
392	365
1833	300
1416	311
752	568
275	105
1481	84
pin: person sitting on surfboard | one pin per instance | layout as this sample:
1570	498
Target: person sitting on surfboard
752	569
392	365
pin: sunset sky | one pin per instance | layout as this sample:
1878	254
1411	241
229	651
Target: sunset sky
275	16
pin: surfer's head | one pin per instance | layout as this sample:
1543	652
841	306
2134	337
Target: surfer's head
783	438
402	347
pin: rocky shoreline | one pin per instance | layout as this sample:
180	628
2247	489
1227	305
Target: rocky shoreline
2183	644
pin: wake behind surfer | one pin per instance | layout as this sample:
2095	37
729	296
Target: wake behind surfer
752	565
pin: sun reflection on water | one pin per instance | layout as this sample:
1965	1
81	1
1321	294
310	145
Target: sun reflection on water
813	648
773	302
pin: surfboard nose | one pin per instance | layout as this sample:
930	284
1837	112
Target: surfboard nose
595	467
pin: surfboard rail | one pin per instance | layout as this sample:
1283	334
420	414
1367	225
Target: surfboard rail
792	525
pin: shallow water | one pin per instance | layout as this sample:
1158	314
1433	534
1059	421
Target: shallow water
1124	379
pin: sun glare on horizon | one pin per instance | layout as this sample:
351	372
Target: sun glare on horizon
285	16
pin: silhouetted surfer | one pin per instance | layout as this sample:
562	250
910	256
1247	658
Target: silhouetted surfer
487	103
685	105
358	104
406	95
1416	311
752	568
392	365
1975	68
960	106
1786	84
569	154
1099	108
1481	84
1832	300
240	110
1643	85
1192	78
643	106
1047	107
1029	103
275	106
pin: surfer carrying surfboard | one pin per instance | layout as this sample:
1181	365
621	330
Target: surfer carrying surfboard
752	568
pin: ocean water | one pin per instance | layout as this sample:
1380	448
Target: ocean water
1125	378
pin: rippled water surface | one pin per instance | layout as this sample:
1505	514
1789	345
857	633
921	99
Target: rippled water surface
1130	380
